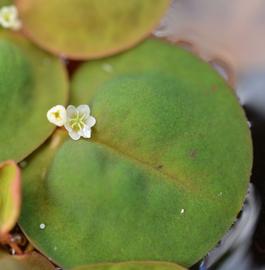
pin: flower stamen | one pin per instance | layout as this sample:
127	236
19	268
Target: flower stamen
77	122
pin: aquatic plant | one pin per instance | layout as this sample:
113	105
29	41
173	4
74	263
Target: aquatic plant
158	160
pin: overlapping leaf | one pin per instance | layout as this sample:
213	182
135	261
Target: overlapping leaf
31	82
164	175
132	266
10	196
89	28
32	261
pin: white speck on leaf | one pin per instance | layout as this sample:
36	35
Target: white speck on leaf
182	211
42	226
23	164
107	67
43	175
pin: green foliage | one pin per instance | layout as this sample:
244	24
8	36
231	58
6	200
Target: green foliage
165	173
32	261
89	29
6	3
31	82
132	266
10	196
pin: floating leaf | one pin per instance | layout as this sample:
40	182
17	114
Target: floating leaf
31	82
89	28
164	175
10	196
132	266
32	261
5	3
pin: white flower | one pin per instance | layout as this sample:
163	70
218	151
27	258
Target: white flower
79	121
57	115
9	18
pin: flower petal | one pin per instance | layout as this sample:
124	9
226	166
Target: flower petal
71	111
67	125
74	135
91	121
10	10
86	132
84	109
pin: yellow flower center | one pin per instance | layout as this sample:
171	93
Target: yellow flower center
7	17
77	122
57	115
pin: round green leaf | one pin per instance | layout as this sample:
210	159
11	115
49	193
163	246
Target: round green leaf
5	3
32	261
132	266
31	82
10	196
164	175
89	28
